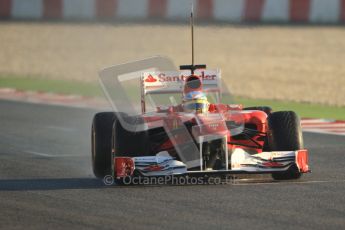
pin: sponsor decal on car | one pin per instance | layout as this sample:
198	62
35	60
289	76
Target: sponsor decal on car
150	78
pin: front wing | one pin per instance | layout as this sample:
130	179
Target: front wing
241	162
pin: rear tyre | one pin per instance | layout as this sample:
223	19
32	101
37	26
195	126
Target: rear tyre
101	143
285	134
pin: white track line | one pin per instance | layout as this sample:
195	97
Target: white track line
325	125
64	129
52	156
289	182
323	132
306	121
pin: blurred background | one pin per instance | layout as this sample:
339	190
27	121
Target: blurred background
285	53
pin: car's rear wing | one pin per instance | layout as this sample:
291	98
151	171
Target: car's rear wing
173	82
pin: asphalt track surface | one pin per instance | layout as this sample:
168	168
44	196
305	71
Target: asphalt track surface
46	182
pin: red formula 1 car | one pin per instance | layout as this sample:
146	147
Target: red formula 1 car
196	137
199	136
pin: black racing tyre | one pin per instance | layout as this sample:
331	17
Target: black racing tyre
266	109
285	134
101	143
130	143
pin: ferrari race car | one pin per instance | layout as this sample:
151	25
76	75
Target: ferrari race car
196	137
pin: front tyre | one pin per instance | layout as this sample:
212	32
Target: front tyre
101	133
128	140
130	143
285	134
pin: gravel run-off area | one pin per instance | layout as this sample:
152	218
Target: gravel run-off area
297	63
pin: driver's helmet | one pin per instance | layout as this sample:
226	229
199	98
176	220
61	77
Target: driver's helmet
195	101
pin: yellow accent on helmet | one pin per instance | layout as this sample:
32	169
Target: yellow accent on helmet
199	105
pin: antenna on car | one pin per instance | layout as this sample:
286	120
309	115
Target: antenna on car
192	31
192	67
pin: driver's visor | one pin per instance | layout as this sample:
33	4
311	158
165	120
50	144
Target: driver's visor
195	106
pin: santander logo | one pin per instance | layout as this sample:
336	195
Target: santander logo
177	77
150	78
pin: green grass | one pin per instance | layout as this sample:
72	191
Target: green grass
303	109
55	86
93	90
